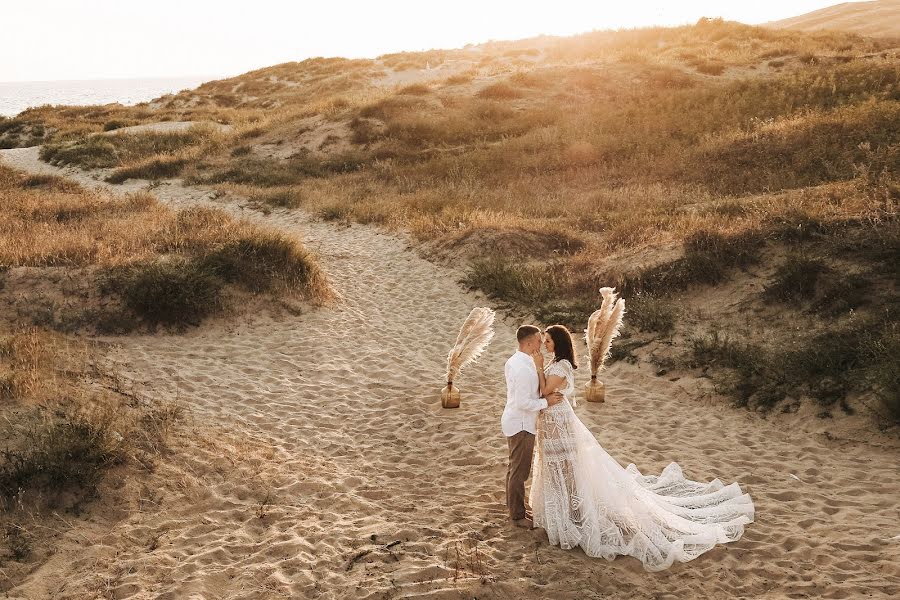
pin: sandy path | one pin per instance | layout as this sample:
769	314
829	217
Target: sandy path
335	414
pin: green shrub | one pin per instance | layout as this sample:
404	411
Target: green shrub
515	282
708	259
651	313
59	455
740	369
175	292
795	280
826	365
264	262
157	167
94	152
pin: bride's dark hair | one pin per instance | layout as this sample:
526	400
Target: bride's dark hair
563	348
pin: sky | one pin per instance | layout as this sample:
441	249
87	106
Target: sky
47	40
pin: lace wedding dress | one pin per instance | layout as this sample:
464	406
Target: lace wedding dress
582	497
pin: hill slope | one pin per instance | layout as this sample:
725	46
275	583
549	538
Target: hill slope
877	18
724	177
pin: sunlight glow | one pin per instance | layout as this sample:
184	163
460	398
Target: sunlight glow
61	39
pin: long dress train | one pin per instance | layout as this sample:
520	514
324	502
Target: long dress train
583	497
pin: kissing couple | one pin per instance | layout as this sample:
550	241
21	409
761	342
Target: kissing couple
580	495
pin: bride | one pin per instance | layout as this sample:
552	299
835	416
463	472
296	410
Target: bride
582	497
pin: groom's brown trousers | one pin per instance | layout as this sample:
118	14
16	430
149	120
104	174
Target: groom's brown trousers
521	448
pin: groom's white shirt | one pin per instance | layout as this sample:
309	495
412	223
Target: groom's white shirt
522	400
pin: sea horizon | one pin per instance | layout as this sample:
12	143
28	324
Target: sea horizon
16	96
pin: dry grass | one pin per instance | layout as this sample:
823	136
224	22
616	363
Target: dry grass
144	155
161	260
658	159
66	428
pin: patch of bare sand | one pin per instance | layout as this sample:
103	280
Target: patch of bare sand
374	491
314	135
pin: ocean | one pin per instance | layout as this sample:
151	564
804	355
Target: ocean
16	96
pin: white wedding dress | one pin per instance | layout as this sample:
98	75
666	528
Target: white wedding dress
582	497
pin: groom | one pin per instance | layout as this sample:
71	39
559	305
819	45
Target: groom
519	420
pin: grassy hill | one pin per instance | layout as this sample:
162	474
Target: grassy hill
877	18
738	184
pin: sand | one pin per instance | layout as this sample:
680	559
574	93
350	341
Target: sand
316	461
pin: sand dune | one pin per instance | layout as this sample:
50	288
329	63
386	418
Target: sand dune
317	462
875	18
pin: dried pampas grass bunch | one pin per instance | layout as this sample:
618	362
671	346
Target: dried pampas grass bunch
603	327
474	336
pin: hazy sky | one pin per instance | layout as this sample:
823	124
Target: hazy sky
85	39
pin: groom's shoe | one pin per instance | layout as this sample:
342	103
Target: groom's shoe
525	523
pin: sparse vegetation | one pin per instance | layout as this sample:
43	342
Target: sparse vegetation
654	314
146	155
795	280
826	366
707	260
284	198
503	279
62	435
158	266
167	292
659	160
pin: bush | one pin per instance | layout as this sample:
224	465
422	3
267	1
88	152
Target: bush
750	380
416	89
826	365
650	313
842	293
708	258
573	315
94	152
263	172
52	183
458	79
335	212
512	281
709	67
880	354
156	167
167	292
795	280
72	452
265	261
101	151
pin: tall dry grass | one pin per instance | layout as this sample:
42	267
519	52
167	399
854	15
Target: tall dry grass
659	159
127	246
